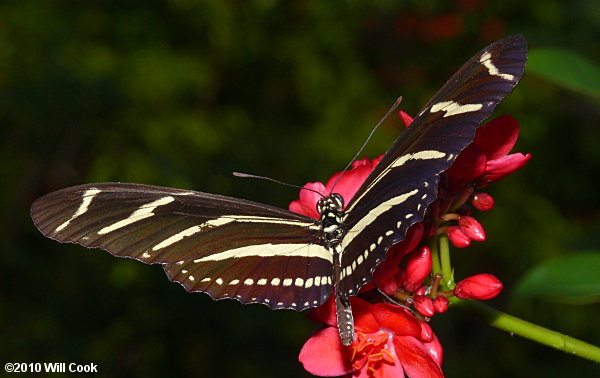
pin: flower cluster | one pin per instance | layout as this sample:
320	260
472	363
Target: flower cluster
392	340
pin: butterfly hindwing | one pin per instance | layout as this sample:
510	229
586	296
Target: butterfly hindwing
294	281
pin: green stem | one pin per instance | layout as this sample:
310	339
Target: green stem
436	267
529	330
444	252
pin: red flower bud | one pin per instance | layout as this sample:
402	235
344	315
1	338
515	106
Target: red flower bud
426	332
481	286
424	305
440	304
457	237
420	291
471	228
482	201
418	268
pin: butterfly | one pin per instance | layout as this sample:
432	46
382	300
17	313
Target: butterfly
256	253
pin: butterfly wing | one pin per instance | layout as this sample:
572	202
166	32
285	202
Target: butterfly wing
401	187
226	247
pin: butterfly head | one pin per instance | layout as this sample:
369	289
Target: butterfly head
333	202
331	210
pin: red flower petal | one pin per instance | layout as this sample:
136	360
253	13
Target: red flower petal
497	137
468	166
323	354
482	201
499	168
352	179
406	119
384	370
361	310
481	286
435	349
387	269
416	359
364	320
388	277
471	228
457	237
307	202
367	162
396	319
418	268
412	240
325	313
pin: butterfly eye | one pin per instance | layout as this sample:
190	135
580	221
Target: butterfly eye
320	205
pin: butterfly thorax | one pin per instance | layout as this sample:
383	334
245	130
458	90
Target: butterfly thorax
331	213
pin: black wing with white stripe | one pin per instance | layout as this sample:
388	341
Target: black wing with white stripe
226	247
400	188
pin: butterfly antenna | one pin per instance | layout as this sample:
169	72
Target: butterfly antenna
247	175
390	299
398	101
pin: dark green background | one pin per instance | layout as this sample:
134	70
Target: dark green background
181	93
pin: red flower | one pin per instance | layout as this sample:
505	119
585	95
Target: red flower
389	342
486	159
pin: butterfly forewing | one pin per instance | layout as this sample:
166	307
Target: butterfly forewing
227	247
404	183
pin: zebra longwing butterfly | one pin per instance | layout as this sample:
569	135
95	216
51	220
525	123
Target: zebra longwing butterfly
256	253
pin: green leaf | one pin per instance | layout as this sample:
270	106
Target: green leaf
572	279
565	68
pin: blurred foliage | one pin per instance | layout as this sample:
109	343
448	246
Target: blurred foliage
181	93
566	68
570	279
